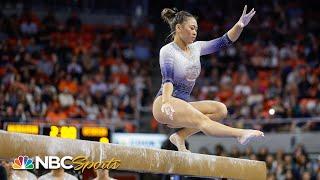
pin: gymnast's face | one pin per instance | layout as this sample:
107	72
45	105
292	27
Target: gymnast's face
187	31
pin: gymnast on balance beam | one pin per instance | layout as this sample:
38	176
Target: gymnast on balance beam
180	67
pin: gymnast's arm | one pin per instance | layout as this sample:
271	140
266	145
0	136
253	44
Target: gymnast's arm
167	71
234	33
244	20
208	47
167	92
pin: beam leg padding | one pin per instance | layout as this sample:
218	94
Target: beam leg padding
132	158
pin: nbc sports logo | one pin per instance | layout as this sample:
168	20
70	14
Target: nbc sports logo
66	162
23	162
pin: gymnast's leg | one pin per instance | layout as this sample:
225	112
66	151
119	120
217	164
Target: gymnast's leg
215	110
189	117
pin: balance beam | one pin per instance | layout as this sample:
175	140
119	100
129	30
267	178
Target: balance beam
136	159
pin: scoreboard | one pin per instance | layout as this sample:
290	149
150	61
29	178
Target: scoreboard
91	133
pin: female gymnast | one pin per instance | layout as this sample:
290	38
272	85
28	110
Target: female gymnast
180	67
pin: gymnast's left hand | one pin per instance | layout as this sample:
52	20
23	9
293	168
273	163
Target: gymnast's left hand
245	18
168	109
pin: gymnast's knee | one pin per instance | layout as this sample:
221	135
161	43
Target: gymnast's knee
223	111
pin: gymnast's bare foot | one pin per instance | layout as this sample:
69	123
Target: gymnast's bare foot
178	142
249	135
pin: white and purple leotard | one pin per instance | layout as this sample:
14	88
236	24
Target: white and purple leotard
182	70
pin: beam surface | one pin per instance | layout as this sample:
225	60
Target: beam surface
136	159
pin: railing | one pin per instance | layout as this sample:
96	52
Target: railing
277	124
274	120
116	123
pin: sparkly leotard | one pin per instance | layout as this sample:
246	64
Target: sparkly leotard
182	70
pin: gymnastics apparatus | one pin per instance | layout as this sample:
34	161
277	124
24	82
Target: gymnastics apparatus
136	159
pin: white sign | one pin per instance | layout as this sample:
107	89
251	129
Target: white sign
139	139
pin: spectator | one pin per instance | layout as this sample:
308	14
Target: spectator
3	172
73	22
103	174
16	174
57	174
28	27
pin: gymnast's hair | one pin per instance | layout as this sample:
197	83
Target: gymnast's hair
174	17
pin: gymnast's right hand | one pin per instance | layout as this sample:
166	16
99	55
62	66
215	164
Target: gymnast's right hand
168	109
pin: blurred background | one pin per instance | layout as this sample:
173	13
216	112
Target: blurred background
89	69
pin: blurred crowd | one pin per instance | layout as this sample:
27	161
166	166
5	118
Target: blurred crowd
272	71
52	71
280	166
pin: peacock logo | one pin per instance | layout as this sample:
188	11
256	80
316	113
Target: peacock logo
23	162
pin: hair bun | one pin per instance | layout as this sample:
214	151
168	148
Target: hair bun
175	11
168	14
